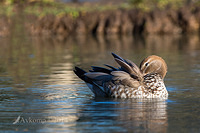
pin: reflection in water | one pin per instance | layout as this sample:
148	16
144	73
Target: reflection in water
151	116
61	74
37	81
129	115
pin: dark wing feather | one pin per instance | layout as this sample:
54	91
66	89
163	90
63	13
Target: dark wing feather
113	68
118	57
136	69
129	67
80	73
97	81
124	65
98	90
100	69
98	77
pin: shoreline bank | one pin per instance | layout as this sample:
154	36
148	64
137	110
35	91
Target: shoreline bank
185	20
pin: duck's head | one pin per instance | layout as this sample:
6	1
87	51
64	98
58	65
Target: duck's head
154	64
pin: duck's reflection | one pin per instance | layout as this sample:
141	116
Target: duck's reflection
132	115
144	115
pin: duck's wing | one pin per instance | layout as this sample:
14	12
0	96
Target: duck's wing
102	69
100	80
129	67
125	79
95	81
101	83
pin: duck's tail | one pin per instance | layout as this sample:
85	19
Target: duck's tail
80	73
94	81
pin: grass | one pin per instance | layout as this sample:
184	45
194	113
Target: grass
59	9
73	10
159	4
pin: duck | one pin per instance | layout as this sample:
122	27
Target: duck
128	80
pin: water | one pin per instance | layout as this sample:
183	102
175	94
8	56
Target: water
40	93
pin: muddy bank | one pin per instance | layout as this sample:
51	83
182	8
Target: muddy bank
121	21
185	20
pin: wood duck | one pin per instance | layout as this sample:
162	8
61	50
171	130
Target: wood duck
129	80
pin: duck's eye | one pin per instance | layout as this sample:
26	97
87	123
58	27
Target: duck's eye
146	64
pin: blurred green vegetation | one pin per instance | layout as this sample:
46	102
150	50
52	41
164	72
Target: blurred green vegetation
63	9
44	7
160	4
8	2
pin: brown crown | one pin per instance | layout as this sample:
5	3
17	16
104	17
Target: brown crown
154	64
